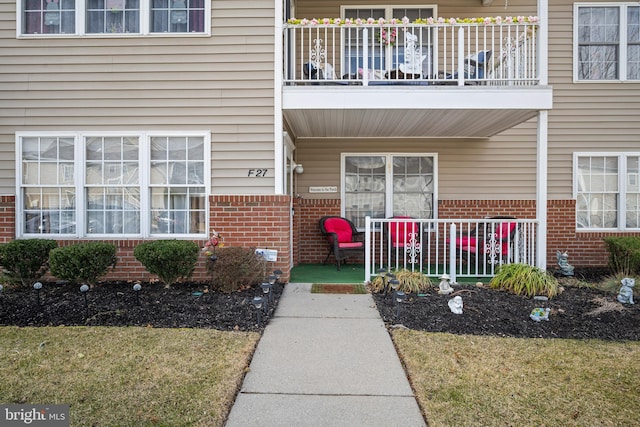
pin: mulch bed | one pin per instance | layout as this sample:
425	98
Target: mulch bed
186	305
578	312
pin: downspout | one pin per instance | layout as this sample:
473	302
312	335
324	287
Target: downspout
542	137
278	145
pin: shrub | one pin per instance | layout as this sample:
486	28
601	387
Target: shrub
26	261
410	281
170	260
612	284
523	279
624	254
83	262
236	268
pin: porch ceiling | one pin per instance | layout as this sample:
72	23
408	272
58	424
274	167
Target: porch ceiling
409	112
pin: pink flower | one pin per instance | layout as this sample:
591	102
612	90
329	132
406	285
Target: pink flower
487	20
304	21
453	21
405	20
358	21
430	20
337	21
326	21
393	21
498	19
314	21
381	21
348	21
441	20
533	19
520	19
371	21
508	19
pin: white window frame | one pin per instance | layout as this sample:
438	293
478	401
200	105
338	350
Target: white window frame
622	188
622	44
388	178
145	24
80	187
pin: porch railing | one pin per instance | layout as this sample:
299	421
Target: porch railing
417	54
459	248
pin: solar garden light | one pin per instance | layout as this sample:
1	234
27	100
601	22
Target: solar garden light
137	288
1	288
37	286
383	273
277	273
83	290
389	277
257	303
400	298
395	283
266	294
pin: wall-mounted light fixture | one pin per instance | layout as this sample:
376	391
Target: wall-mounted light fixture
297	167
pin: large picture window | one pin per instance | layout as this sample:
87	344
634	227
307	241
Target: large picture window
607	191
607	39
105	185
386	185
113	17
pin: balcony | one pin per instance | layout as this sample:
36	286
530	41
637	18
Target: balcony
428	79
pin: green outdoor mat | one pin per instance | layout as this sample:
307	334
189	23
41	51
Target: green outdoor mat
327	273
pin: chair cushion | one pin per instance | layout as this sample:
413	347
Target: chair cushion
350	245
340	227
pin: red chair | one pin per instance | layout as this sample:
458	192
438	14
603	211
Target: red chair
343	238
495	238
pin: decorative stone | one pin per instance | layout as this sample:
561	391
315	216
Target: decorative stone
455	304
565	268
538	314
625	295
445	287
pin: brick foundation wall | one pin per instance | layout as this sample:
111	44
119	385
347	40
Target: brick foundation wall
310	246
248	221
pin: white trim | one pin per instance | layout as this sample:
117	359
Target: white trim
541	188
278	146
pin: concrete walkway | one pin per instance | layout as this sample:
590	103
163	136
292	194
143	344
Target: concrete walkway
325	360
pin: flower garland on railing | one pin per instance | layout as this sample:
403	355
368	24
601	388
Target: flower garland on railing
406	21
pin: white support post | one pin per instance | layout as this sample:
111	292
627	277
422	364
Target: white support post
460	56
367	249
452	253
365	57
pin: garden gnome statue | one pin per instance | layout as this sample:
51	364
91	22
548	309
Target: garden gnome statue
625	295
455	304
565	268
445	287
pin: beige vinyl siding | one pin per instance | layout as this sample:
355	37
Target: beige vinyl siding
499	168
222	83
587	117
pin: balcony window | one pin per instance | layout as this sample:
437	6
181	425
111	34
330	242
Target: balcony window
607	191
113	17
385	185
112	185
386	46
608	42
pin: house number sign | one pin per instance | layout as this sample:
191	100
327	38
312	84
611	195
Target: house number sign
257	173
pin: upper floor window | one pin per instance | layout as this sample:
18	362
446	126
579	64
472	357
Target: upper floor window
133	184
607	40
607	190
386	185
130	17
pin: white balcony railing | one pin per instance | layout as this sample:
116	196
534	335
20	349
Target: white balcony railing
459	248
415	54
